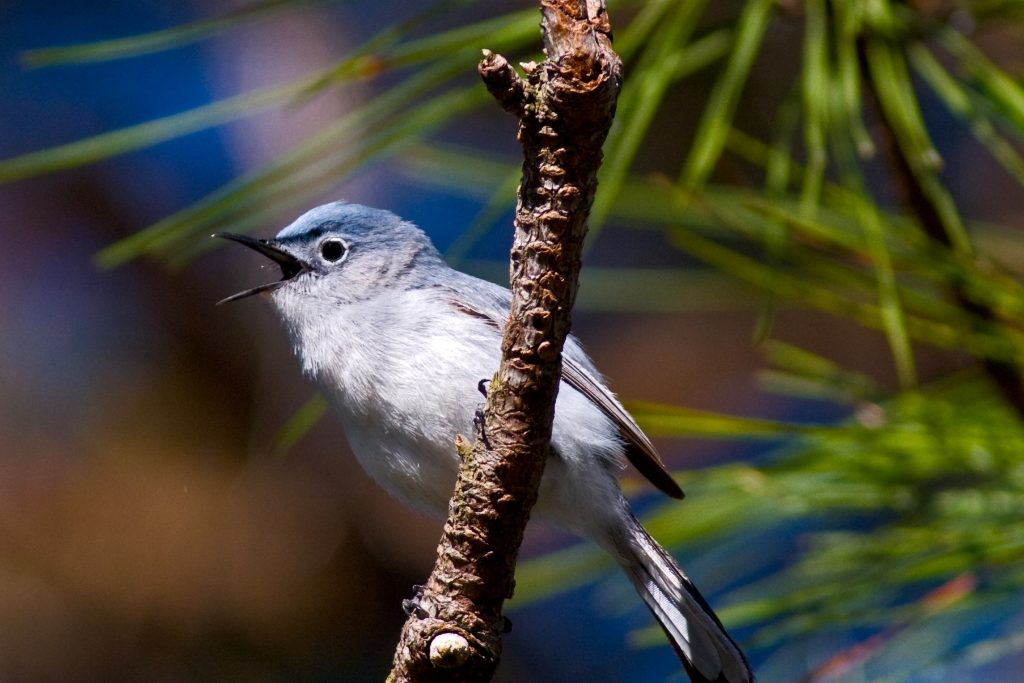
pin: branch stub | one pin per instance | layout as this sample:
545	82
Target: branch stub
449	650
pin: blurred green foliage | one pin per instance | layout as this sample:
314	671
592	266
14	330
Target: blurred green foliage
906	518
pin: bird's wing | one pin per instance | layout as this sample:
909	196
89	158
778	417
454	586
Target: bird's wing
639	449
492	302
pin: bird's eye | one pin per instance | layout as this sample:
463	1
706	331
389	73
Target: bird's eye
333	250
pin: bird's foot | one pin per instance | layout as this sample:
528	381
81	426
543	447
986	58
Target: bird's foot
478	422
412	607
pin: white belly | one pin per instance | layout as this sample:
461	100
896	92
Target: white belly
403	399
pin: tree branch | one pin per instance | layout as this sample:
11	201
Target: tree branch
565	106
1007	376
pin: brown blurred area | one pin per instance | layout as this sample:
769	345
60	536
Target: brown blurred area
142	533
148	530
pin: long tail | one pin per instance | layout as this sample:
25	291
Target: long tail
707	652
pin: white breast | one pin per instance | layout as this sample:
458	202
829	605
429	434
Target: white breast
402	372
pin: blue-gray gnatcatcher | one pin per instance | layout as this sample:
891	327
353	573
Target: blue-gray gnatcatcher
399	342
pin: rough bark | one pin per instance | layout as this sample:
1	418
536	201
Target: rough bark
565	107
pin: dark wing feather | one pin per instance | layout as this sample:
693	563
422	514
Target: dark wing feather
493	305
639	449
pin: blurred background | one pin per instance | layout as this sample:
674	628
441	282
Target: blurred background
171	505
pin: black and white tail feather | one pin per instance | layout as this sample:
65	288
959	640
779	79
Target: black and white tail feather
707	652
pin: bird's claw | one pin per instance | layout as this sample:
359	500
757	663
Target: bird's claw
411	606
478	422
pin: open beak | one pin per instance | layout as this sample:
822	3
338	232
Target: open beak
290	266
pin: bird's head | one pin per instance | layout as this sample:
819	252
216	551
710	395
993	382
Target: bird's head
338	254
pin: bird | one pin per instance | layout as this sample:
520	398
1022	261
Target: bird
398	343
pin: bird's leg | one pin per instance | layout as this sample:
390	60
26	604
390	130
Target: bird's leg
478	418
412	607
478	422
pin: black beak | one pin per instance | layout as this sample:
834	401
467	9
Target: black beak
290	266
